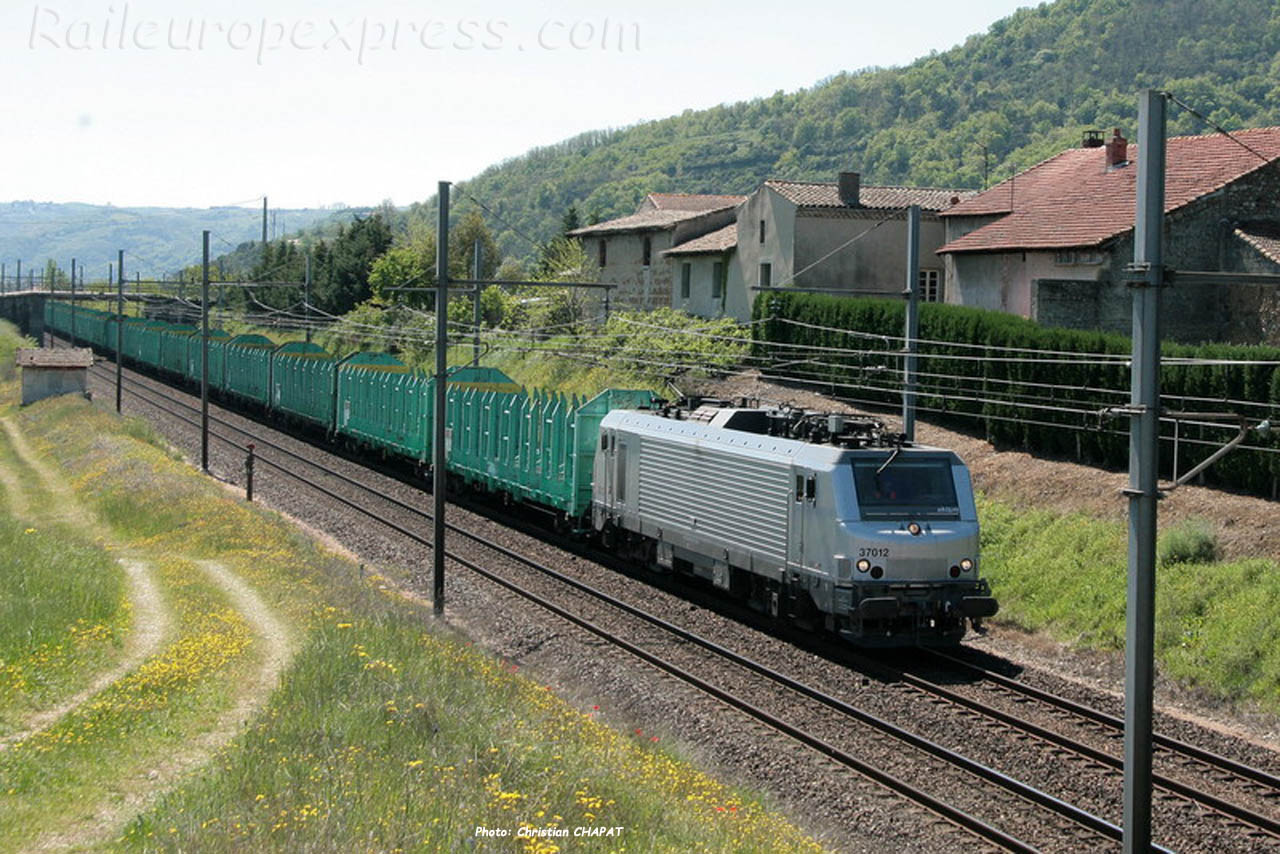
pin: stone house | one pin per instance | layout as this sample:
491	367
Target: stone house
839	237
629	249
1051	243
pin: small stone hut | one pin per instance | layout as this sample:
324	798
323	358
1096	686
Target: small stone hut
48	373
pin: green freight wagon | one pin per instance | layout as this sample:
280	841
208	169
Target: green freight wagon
537	446
129	338
247	367
382	403
91	326
142	340
303	382
174	343
218	339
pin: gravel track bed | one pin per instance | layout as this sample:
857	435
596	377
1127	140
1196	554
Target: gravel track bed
845	810
1237	790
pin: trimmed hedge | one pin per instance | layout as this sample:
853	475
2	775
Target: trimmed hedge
1059	421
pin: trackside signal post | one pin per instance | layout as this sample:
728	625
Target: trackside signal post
438	476
204	356
1144	437
119	327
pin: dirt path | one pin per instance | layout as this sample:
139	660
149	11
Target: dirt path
276	650
15	493
151	617
68	506
151	625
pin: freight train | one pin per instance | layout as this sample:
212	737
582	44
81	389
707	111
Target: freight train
822	521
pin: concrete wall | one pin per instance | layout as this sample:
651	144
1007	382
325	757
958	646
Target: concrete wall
25	311
876	262
39	383
702	300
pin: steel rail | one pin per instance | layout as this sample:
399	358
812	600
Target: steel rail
1223	763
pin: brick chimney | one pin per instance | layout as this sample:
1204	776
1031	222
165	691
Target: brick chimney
1117	150
848	186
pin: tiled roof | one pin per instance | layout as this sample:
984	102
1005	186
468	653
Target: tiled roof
1265	240
690	201
720	240
1072	199
79	357
647	220
660	211
825	195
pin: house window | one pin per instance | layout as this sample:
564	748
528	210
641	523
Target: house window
603	252
929	286
762	231
686	273
648	251
766	275
717	279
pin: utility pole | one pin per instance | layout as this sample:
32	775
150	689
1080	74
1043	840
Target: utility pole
1	277
439	459
475	304
1144	436
264	223
73	302
119	329
204	356
306	297
912	335
18	279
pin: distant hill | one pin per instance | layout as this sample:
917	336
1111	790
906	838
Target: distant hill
155	240
1022	91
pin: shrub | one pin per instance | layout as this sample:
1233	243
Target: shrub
1193	541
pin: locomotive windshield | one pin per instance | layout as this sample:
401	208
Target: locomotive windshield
906	487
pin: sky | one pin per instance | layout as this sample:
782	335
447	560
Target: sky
203	104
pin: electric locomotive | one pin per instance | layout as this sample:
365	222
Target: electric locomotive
822	520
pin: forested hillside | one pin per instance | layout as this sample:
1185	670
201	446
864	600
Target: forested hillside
1022	91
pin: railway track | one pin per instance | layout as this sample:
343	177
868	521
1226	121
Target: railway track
1061	826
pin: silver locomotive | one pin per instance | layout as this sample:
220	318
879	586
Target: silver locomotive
820	520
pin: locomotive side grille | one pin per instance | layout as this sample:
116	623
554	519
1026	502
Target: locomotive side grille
749	496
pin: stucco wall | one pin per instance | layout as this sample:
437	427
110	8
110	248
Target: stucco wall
779	216
701	284
1002	281
876	261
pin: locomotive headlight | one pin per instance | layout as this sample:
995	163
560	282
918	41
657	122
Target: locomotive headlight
966	564
864	565
914	529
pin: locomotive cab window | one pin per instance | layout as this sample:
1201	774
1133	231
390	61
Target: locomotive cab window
604	441
811	488
799	488
891	487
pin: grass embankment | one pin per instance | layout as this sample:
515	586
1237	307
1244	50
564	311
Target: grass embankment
1217	624
62	618
380	736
